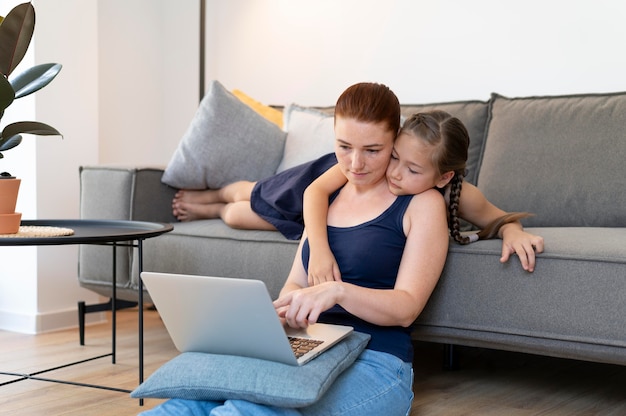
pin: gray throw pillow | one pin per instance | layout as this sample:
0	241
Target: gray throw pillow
227	141
200	376
560	157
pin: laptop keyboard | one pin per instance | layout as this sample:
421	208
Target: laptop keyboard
301	346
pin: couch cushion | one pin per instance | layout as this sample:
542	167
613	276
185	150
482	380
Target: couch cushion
310	135
560	157
227	141
474	115
571	305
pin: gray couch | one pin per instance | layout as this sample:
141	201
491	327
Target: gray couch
561	158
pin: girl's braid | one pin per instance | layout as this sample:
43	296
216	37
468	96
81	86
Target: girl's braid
453	210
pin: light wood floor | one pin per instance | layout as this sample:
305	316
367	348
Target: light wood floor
488	383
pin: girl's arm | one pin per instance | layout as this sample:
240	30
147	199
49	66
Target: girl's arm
322	264
422	262
475	208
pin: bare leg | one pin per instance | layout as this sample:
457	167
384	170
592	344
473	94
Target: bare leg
184	198
240	215
237	191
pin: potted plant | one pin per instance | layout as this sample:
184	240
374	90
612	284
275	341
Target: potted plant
16	31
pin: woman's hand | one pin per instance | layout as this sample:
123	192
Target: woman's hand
322	267
301	308
517	241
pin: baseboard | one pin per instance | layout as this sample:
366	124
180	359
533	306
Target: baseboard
46	322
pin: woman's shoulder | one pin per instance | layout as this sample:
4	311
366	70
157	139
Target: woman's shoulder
430	195
424	211
425	202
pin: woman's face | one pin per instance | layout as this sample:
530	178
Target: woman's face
411	170
363	150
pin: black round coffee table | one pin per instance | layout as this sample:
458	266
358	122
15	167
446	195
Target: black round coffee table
106	232
88	232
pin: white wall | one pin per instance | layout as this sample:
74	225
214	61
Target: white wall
148	83
38	285
129	84
69	103
426	51
128	88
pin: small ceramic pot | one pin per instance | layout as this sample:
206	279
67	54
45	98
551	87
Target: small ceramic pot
9	219
10	223
8	195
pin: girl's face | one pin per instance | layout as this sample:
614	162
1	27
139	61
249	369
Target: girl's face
363	150
411	170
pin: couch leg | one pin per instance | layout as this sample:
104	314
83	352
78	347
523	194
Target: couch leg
100	307
450	357
81	322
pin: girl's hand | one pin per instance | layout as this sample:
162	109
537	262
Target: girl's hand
322	267
517	241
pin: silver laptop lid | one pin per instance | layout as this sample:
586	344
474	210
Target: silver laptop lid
225	316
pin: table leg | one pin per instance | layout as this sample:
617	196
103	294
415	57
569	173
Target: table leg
140	257
114	305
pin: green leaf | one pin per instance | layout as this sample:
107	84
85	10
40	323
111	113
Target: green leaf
34	79
6	94
29	127
16	32
10	143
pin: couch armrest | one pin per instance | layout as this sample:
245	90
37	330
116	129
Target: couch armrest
119	193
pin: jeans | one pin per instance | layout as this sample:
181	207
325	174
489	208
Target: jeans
376	384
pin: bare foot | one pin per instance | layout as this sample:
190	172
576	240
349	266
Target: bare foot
205	196
184	211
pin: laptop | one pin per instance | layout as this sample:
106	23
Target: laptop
232	316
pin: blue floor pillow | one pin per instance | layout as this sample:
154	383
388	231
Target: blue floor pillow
215	377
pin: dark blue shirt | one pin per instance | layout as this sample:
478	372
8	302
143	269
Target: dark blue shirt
369	255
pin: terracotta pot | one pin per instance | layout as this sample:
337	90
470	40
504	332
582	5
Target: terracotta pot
9	219
10	223
8	195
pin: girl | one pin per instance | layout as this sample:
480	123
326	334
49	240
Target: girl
431	148
275	203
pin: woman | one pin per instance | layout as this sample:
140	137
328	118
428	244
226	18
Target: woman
391	250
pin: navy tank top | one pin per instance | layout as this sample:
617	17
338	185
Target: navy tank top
369	255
